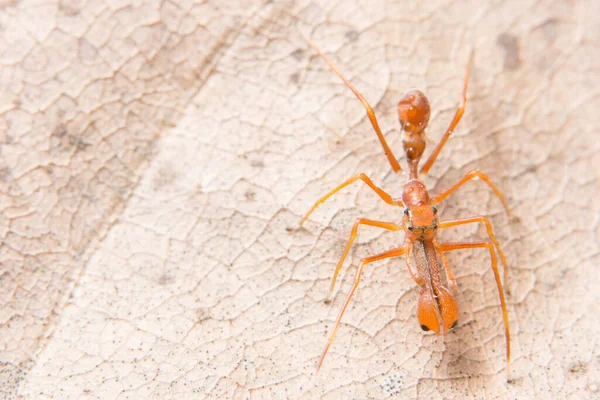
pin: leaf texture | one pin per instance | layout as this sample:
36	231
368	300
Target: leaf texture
156	158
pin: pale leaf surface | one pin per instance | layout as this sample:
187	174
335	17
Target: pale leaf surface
156	158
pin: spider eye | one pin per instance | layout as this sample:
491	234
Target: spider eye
434	210
425	328
406	211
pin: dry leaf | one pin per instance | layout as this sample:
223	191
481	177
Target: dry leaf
156	158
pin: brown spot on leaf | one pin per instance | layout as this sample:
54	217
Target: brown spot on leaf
295	77
351	35
202	314
78	143
250	195
4	172
70	8
59	131
164	279
298	54
60	138
510	44
578	367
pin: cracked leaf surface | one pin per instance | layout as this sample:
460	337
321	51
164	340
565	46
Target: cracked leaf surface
157	156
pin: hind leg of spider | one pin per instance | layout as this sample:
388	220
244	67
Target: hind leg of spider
361	221
365	261
382	194
490	232
370	113
457	116
472	175
444	247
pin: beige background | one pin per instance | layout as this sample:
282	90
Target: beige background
156	158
